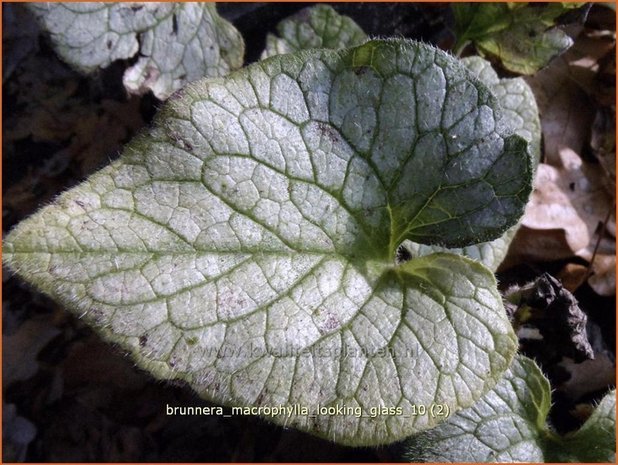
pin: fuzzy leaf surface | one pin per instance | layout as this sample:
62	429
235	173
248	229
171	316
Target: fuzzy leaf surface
504	426
177	42
246	243
318	26
522	36
509	425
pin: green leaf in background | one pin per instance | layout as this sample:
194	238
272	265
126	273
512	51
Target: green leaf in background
177	42
522	116
246	244
522	36
319	26
509	425
595	441
506	425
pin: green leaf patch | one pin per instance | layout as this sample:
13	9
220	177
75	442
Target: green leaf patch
319	26
509	425
524	37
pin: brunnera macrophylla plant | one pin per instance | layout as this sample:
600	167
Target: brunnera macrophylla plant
175	42
320	26
509	424
247	242
317	26
521	114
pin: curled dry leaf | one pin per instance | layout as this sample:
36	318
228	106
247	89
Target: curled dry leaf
544	304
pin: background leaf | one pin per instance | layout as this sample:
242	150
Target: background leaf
522	36
595	441
509	425
319	26
177	42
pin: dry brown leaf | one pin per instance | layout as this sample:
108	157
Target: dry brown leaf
603	144
605	93
571	198
532	245
565	109
566	217
601	275
565	88
584	58
603	279
572	275
589	376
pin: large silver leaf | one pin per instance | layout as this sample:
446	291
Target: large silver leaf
246	243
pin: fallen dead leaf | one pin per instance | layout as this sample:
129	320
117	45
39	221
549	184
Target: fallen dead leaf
566	111
603	144
572	275
603	279
531	245
584	58
605	93
589	376
567	216
570	198
571	211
